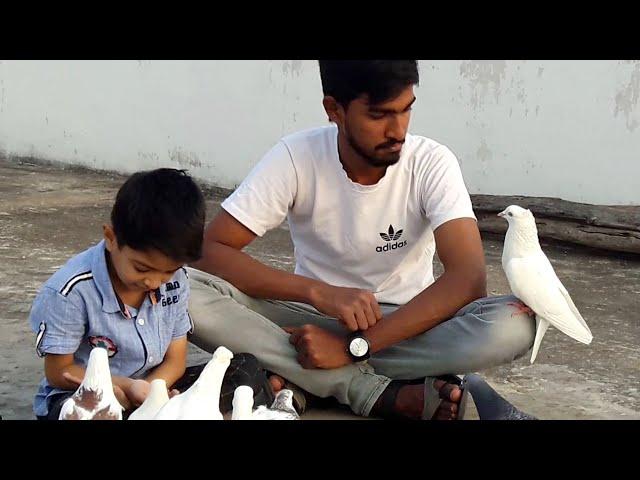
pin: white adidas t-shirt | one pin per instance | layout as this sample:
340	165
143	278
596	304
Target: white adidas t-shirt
374	237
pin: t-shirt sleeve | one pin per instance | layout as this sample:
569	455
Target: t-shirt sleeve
263	199
58	323
444	195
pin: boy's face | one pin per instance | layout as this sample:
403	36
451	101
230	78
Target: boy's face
137	270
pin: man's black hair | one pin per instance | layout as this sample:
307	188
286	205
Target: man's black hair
160	209
381	80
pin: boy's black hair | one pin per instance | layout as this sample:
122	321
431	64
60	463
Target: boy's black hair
381	80
160	209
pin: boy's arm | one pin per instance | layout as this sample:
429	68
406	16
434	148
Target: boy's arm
55	368
62	372
61	324
174	363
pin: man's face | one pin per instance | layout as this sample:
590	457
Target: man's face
138	270
377	131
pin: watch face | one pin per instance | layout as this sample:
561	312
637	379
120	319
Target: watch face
358	347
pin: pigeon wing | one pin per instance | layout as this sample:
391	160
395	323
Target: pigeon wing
533	280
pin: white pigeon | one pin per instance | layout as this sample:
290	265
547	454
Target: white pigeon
94	399
533	280
156	399
201	401
281	408
242	403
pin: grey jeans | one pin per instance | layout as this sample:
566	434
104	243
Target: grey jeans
488	332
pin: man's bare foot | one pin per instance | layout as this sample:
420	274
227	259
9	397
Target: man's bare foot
409	401
277	382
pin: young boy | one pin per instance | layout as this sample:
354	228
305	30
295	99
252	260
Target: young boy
128	294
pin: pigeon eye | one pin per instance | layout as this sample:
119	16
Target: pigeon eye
510	214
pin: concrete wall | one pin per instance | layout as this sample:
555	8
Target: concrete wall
568	129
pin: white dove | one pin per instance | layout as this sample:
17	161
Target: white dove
281	408
242	403
156	399
201	401
94	399
533	280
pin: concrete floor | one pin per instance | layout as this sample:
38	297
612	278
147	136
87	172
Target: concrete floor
49	213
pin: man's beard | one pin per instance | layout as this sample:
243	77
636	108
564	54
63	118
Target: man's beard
391	158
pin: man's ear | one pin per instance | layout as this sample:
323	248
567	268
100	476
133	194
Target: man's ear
334	110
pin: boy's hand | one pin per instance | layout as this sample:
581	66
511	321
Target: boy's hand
72	378
121	396
137	391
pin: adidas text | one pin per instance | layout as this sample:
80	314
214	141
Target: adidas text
391	246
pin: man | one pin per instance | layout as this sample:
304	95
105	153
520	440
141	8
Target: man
368	205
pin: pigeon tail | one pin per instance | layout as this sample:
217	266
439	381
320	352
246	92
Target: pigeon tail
542	326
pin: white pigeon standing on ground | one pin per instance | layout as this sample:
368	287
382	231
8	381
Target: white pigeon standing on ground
533	280
281	409
156	399
201	401
94	399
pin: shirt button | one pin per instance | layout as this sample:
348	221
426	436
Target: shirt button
141	321
150	360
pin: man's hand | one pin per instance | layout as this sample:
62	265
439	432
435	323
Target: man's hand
318	348
355	309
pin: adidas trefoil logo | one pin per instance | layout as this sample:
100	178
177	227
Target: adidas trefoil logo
391	236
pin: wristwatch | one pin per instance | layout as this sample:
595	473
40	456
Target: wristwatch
358	347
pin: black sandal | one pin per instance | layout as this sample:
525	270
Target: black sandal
432	398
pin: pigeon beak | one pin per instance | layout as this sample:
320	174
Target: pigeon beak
502	214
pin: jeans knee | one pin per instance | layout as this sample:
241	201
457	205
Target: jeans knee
511	333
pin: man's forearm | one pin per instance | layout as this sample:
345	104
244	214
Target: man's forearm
253	277
437	303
